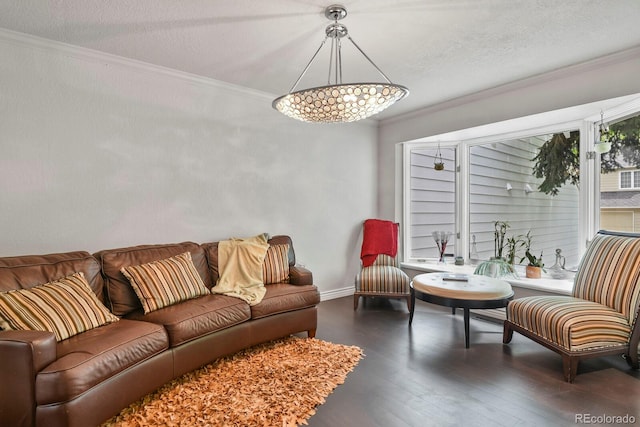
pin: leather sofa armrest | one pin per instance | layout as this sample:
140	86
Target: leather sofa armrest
299	275
23	355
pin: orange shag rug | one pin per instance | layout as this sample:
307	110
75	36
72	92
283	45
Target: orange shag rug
279	383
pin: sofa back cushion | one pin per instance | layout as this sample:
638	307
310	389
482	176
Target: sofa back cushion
211	250
121	297
28	271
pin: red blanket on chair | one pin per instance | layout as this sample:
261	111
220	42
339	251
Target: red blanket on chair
379	237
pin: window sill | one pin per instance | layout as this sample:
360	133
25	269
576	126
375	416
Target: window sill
546	284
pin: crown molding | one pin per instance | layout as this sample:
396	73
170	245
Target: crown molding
557	74
85	54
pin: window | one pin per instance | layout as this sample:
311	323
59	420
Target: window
502	187
629	180
620	176
432	199
489	177
625	180
484	182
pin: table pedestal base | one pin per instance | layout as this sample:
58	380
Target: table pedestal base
465	304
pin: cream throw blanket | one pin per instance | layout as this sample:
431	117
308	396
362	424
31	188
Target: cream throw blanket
240	265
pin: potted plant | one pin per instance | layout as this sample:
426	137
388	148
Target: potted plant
535	267
497	266
514	244
500	230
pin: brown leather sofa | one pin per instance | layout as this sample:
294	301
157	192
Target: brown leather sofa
87	378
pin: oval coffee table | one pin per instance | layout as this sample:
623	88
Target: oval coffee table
460	291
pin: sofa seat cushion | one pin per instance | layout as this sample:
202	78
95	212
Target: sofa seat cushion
89	358
283	297
382	278
571	323
197	317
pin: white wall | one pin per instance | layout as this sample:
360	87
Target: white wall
609	77
99	152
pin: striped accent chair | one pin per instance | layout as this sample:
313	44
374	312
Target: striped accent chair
599	318
382	279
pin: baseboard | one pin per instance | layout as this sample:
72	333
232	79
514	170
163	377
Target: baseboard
336	293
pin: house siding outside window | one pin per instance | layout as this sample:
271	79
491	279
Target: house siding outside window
620	200
490	169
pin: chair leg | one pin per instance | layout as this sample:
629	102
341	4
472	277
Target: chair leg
409	303
412	298
311	333
507	334
569	367
356	298
632	359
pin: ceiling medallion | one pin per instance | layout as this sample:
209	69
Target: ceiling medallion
337	101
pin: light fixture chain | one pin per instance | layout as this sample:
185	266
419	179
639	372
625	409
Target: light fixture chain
308	65
339	61
331	55
336	39
369	59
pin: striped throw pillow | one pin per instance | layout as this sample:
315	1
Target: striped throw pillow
65	307
275	268
165	282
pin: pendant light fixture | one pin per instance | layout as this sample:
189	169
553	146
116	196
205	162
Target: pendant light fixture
338	101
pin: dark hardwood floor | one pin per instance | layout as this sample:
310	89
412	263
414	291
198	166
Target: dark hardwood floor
423	376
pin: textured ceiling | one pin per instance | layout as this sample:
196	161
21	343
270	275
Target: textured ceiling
439	49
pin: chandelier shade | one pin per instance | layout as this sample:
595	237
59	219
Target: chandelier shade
337	101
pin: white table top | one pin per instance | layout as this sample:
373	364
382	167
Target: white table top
462	286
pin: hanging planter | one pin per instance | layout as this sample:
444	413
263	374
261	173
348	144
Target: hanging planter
438	163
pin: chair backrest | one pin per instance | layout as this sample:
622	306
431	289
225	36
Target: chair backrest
379	237
609	272
383	259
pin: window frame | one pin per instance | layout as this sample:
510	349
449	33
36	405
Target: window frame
589	190
542	123
634	173
406	193
462	185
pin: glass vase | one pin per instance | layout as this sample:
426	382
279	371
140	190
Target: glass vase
497	268
441	238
